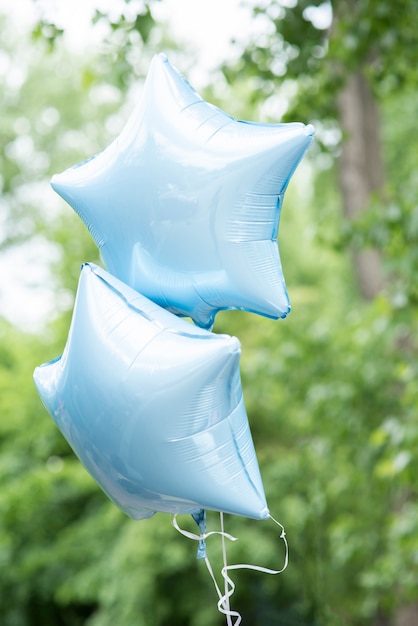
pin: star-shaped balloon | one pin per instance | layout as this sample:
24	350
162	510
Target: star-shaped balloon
185	204
152	405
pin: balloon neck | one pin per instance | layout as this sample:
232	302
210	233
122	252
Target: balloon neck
200	519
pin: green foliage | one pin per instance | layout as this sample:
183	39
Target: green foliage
300	44
331	391
345	395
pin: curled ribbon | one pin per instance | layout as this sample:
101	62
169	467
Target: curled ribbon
229	585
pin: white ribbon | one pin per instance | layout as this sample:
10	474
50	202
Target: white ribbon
229	585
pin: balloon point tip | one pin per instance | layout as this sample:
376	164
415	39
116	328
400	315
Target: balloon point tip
310	130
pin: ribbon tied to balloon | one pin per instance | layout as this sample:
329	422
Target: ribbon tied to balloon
184	206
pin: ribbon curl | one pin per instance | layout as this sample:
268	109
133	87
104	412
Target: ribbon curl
229	585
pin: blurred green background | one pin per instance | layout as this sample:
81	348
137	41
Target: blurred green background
331	392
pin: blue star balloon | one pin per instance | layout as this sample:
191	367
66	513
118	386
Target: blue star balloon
152	405
185	204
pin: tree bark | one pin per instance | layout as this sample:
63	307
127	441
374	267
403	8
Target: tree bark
361	170
407	615
361	175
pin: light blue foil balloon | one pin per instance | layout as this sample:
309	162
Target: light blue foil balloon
152	405
185	204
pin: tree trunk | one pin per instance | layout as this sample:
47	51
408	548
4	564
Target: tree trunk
361	170
361	175
407	616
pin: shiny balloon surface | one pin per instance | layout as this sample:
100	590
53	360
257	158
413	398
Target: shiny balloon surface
185	203
152	405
